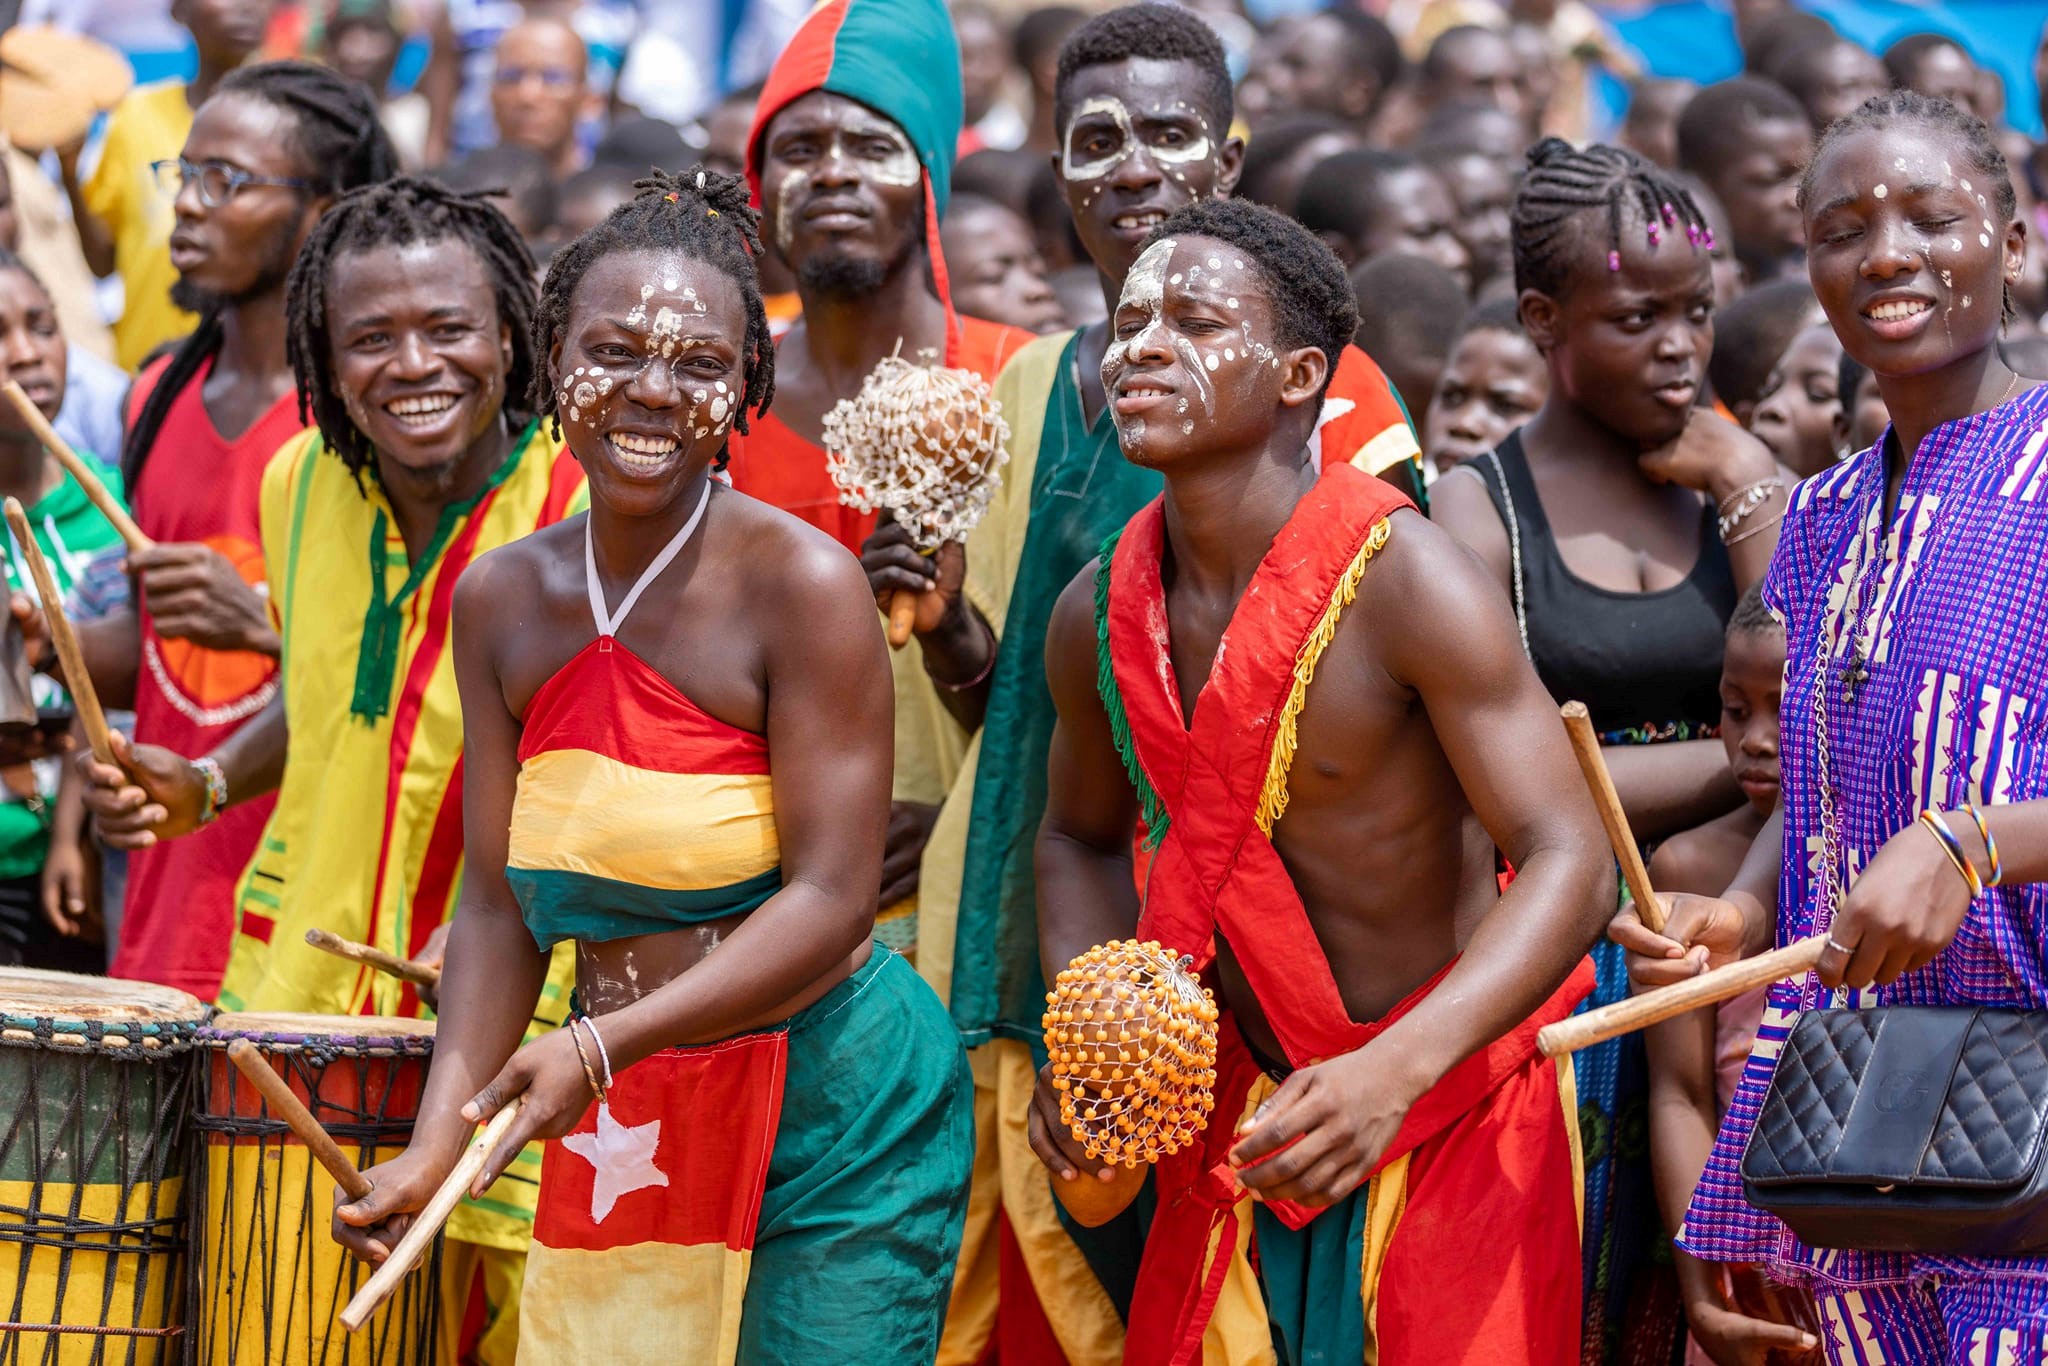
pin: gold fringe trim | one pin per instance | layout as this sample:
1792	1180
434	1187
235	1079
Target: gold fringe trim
1273	797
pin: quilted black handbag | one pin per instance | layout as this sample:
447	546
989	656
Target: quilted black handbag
1908	1129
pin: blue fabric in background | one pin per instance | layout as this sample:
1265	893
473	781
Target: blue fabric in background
1696	39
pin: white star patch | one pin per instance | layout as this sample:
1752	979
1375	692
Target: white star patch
623	1157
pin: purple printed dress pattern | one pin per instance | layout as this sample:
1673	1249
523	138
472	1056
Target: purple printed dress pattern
1950	706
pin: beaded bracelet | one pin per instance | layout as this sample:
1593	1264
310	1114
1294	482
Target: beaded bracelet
589	1072
1990	844
216	780
1953	847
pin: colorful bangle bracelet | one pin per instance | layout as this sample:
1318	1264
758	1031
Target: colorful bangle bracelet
1953	847
1990	844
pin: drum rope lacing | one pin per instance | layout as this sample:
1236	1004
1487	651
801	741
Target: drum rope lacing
76	1143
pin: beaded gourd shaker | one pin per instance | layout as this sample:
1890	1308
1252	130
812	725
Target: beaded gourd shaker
1132	1037
924	441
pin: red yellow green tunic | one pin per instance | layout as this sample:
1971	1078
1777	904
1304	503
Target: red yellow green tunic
366	838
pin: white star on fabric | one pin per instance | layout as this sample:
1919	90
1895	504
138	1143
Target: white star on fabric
623	1157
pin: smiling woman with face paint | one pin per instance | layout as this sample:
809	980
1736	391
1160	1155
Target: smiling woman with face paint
1624	522
1913	583
676	714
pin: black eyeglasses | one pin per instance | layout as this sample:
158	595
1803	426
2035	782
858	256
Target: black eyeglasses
218	182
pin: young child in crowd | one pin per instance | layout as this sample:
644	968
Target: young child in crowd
1750	140
1750	335
1795	415
1493	381
1696	1058
1408	312
997	272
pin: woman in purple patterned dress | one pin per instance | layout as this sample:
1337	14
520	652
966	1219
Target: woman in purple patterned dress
1913	583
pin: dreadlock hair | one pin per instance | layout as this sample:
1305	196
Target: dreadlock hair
1564	184
1312	300
399	213
335	134
1166	33
1942	115
703	214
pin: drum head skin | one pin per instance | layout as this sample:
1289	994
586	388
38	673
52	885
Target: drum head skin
33	993
272	1030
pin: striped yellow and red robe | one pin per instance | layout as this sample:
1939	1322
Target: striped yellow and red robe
366	839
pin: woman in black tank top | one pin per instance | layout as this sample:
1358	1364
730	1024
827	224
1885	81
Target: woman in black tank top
1624	523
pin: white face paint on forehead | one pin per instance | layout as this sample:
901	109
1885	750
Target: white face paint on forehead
1145	289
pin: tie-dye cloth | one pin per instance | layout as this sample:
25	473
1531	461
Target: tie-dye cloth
1950	644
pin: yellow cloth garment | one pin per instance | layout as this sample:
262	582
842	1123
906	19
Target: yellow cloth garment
366	840
149	125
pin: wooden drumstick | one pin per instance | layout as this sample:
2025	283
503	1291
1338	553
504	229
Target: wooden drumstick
109	506
427	1223
1654	1007
902	615
419	974
285	1106
1578	723
76	680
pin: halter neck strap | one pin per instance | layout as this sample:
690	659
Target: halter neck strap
609	625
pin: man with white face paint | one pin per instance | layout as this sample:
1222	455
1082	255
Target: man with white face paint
850	157
1144	112
1312	706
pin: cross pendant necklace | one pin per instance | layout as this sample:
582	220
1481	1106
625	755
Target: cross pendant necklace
1854	673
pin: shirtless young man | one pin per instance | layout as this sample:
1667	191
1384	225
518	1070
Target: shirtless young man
1426	745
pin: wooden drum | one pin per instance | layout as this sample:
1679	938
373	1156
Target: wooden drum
95	1077
268	1277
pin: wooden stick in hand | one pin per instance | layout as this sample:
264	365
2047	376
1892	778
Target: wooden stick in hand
285	1106
76	679
419	974
426	1225
1578	724
109	506
1655	1007
902	615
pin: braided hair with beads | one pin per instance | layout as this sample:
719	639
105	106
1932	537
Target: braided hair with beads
706	216
1565	184
339	143
401	213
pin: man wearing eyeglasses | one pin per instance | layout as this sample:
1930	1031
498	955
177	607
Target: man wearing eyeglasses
122	210
540	91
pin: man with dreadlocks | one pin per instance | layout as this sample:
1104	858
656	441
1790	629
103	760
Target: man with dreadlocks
268	152
1316	702
774	1167
411	336
851	158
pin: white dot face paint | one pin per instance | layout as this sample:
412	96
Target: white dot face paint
1983	239
1880	192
